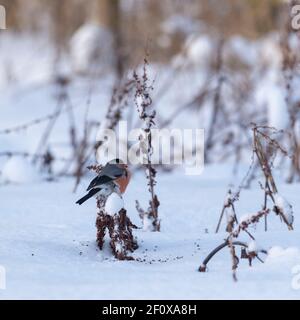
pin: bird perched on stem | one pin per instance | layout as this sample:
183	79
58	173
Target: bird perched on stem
114	176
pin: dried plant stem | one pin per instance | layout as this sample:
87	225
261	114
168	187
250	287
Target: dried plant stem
228	204
234	259
147	115
264	161
217	103
119	228
203	267
270	185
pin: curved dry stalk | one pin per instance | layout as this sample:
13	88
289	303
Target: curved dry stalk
203	267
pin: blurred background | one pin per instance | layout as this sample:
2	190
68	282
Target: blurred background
71	68
164	26
66	72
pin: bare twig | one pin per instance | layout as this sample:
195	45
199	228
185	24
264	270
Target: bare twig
147	115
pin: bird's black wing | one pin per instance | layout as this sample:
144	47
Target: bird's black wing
98	181
88	196
109	173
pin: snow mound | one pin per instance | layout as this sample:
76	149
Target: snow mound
280	255
270	52
19	170
199	50
243	49
90	45
180	24
253	247
284	207
114	204
277	109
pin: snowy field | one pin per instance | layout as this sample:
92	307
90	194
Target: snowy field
47	245
47	242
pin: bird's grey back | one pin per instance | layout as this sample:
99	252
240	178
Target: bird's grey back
112	170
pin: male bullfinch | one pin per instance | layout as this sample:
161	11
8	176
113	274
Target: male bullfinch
114	175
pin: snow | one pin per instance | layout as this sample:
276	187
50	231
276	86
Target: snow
252	246
270	52
91	44
285	207
246	217
271	93
48	243
277	109
18	57
118	247
278	255
19	170
147	223
179	23
238	46
199	49
229	212
114	204
228	198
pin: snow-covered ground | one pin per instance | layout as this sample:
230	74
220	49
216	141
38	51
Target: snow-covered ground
47	242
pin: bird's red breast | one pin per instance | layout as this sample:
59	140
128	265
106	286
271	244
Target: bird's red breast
123	181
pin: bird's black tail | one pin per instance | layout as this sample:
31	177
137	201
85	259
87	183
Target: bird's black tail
88	196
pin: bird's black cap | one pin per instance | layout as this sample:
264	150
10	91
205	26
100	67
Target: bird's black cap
116	161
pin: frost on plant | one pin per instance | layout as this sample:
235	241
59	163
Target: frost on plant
264	151
284	209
